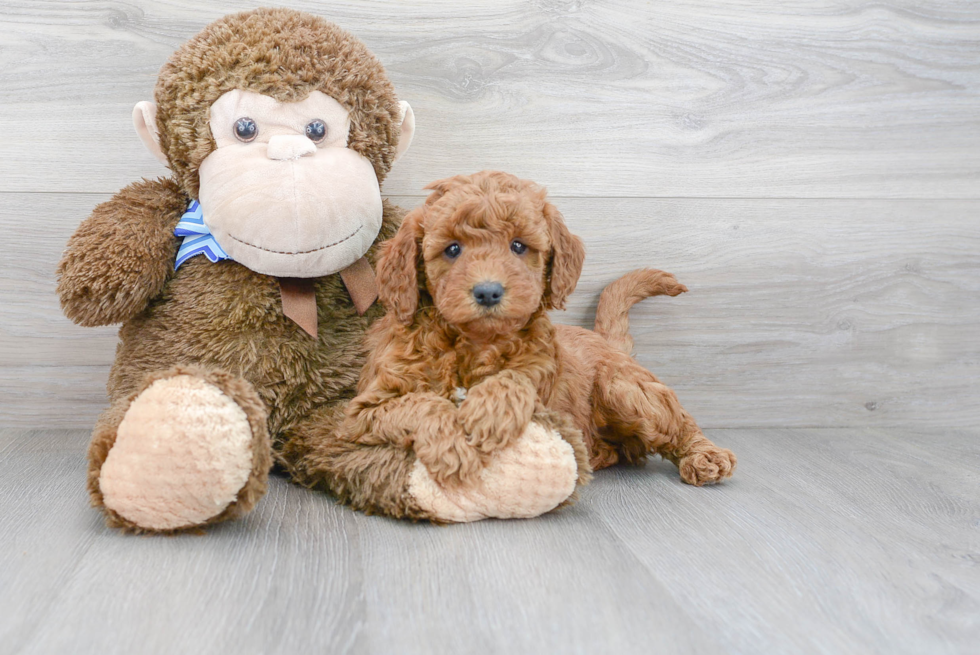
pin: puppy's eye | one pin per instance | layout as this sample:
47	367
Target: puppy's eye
452	250
316	131
246	129
517	247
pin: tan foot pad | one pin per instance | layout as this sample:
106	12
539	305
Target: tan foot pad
182	453
529	478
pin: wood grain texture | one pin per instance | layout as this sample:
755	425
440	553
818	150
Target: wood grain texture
825	541
801	312
827	98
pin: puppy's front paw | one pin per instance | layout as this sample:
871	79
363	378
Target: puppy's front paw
530	477
707	466
487	433
497	411
448	456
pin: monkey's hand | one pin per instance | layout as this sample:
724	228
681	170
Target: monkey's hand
497	410
121	256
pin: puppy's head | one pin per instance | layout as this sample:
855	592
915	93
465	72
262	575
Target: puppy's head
487	250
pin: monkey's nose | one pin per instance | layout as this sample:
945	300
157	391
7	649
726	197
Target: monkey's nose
488	294
284	147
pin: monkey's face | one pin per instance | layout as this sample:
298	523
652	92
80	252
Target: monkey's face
282	193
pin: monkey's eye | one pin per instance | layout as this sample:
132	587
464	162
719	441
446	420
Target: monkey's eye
316	131
246	129
452	250
517	247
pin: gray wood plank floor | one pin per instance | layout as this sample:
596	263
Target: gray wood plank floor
826	541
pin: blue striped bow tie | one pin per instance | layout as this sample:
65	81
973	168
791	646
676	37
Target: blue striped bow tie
197	237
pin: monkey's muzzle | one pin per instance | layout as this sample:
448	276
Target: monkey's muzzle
282	211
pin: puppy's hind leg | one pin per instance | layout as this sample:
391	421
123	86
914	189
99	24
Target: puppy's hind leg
646	417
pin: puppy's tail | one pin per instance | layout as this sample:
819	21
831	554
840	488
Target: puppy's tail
612	315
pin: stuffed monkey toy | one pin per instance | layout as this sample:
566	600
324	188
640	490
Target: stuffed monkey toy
244	281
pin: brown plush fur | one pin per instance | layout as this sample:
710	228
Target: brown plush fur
222	319
510	357
280	53
123	256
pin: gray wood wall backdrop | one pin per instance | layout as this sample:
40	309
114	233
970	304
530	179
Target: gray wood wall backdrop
811	170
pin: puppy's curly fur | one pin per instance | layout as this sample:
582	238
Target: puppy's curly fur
439	335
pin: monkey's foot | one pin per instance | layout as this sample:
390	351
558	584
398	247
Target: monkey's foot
530	477
184	455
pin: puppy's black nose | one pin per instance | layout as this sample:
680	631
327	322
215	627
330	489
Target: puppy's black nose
488	294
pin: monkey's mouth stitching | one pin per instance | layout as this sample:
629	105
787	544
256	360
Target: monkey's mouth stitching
300	252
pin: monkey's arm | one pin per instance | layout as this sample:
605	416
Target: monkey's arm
121	256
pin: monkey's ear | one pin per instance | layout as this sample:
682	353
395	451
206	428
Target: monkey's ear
408	128
145	122
567	257
398	280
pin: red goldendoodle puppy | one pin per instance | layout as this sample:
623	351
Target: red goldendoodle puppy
468	281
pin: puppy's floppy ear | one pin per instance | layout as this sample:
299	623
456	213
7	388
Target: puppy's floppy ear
398	281
567	256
